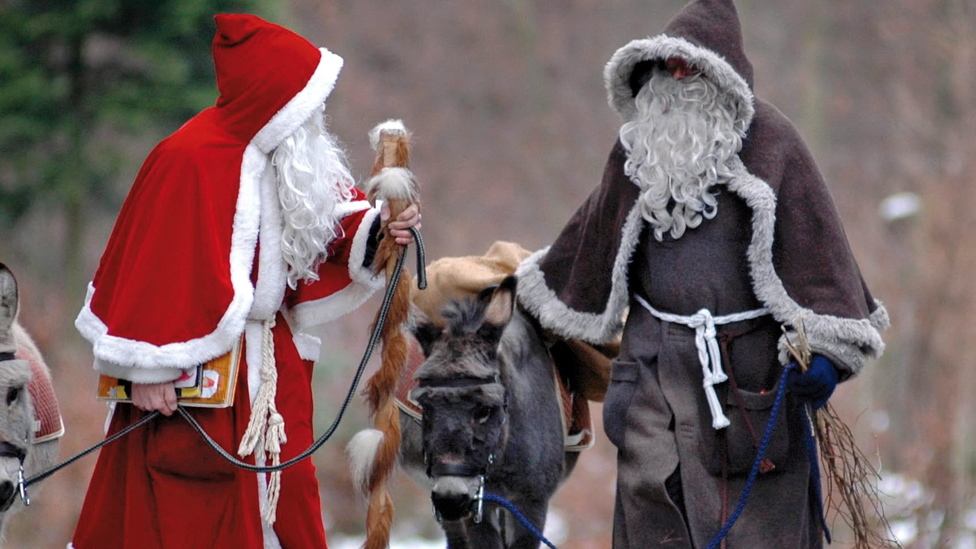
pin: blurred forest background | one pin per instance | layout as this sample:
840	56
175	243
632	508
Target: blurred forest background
511	123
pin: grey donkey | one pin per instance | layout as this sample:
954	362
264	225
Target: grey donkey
490	422
23	452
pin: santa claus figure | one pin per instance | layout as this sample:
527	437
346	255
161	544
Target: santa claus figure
721	234
243	225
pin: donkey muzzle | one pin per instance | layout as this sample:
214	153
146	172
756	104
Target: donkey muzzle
457	498
8	494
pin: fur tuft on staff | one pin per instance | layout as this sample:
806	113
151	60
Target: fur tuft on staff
852	493
392	182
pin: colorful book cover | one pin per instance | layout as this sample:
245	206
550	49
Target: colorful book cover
210	385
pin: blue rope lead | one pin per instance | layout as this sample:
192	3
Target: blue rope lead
774	412
518	515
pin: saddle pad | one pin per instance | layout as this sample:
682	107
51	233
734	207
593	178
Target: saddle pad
48	424
577	423
402	396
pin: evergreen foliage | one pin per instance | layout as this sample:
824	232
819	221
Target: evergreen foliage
81	78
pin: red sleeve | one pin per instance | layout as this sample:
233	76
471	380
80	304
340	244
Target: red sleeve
344	283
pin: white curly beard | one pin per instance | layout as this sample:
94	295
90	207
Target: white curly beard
312	177
681	144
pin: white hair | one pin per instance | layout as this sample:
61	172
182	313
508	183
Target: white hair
312	177
679	147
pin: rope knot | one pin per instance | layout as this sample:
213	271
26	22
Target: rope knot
275	434
712	378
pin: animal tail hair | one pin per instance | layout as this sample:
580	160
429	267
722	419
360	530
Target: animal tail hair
392	127
393	183
362	450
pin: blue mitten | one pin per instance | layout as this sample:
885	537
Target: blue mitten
816	384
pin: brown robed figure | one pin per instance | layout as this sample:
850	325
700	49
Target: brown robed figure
711	231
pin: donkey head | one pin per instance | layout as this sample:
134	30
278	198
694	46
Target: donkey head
16	417
462	392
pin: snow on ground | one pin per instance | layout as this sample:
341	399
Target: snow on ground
357	543
555	532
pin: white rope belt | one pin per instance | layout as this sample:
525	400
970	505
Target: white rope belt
708	352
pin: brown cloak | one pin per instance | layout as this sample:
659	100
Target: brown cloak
777	243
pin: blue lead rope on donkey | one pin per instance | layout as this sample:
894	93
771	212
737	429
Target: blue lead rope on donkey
520	517
754	472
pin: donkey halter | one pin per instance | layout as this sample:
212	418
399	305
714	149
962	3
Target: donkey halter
11	450
481	471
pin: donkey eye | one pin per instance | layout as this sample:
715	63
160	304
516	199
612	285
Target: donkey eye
482	414
12	394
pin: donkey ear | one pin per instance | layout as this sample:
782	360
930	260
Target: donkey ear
502	303
8	302
484	296
426	333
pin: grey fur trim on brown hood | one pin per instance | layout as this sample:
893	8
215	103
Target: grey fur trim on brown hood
617	73
706	34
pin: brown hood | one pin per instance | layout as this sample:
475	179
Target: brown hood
713	25
707	34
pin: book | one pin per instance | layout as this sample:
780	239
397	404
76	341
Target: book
189	384
209	385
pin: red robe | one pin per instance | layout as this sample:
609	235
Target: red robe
194	263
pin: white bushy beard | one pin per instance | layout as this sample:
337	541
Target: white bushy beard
680	145
312	178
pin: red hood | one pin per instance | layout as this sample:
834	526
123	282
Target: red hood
174	286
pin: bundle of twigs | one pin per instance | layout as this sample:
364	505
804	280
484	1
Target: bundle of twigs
851	480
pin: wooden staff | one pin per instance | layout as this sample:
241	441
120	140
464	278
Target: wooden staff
392	182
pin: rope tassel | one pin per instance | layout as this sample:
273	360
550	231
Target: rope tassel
266	424
711	363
